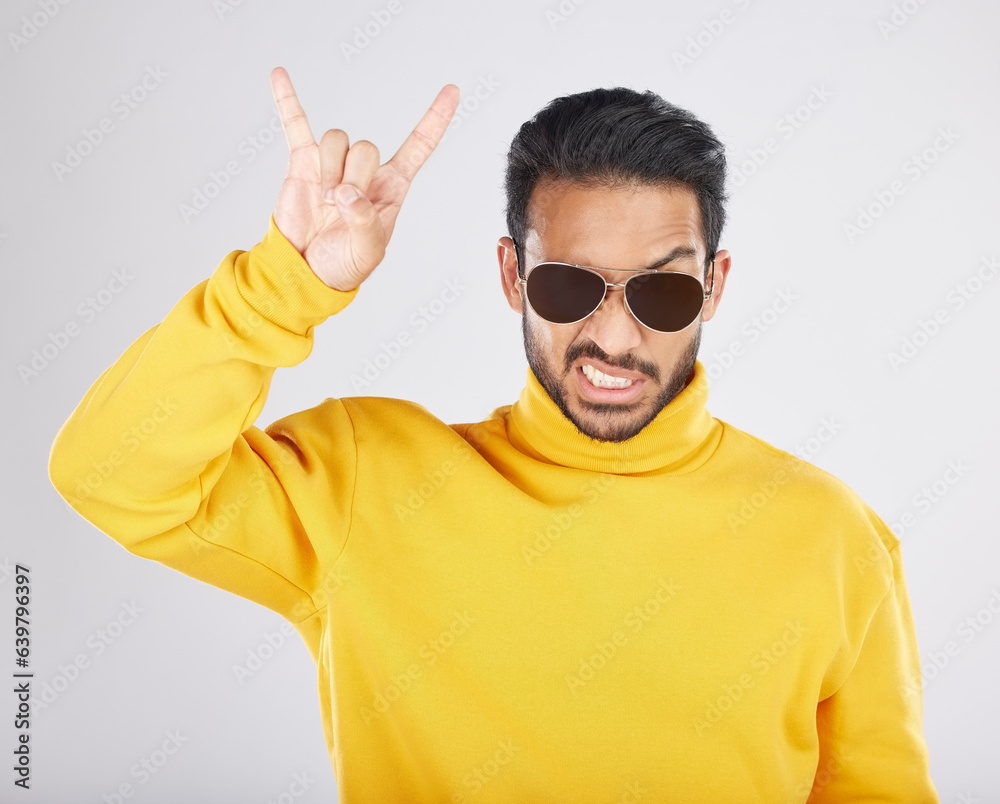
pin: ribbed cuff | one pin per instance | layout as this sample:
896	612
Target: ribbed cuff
278	283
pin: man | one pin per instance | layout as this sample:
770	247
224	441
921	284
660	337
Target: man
600	592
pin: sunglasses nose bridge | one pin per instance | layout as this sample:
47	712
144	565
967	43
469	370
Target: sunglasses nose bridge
613	304
610	289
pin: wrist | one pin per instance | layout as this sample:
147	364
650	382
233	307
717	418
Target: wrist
277	282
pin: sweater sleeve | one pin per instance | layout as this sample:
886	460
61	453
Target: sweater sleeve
163	456
872	746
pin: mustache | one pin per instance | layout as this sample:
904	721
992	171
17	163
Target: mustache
626	362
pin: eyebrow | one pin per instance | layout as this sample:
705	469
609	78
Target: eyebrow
677	253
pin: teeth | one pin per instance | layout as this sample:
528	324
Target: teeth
601	380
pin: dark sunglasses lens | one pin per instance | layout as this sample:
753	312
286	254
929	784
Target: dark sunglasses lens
666	302
563	294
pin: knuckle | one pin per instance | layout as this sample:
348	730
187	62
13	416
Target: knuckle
404	175
423	140
335	136
365	148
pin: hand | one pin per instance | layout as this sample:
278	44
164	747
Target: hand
344	239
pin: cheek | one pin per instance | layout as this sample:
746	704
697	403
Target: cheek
551	341
558	341
542	333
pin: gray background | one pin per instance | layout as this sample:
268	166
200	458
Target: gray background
824	358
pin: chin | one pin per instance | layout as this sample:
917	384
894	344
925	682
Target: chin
607	422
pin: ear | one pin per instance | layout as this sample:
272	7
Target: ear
509	279
723	262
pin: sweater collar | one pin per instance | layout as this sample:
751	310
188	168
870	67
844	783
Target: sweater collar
681	438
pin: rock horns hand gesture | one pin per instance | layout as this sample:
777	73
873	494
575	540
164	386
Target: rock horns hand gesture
337	204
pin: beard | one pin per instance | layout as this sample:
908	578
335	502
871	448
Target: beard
610	422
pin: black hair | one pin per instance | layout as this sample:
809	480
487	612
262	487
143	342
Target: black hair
616	137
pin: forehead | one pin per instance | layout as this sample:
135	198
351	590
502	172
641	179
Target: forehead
611	226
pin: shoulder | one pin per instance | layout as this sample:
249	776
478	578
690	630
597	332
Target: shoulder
823	497
403	419
387	414
377	419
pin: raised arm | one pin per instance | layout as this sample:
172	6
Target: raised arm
162	453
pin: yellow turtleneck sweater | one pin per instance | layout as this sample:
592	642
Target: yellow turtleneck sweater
507	611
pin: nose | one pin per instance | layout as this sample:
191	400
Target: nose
612	326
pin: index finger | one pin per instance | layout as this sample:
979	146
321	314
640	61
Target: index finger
428	133
293	117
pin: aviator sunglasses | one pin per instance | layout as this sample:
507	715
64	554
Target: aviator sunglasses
663	301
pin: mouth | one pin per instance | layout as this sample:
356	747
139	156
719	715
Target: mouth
601	386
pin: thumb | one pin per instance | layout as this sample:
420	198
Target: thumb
362	220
